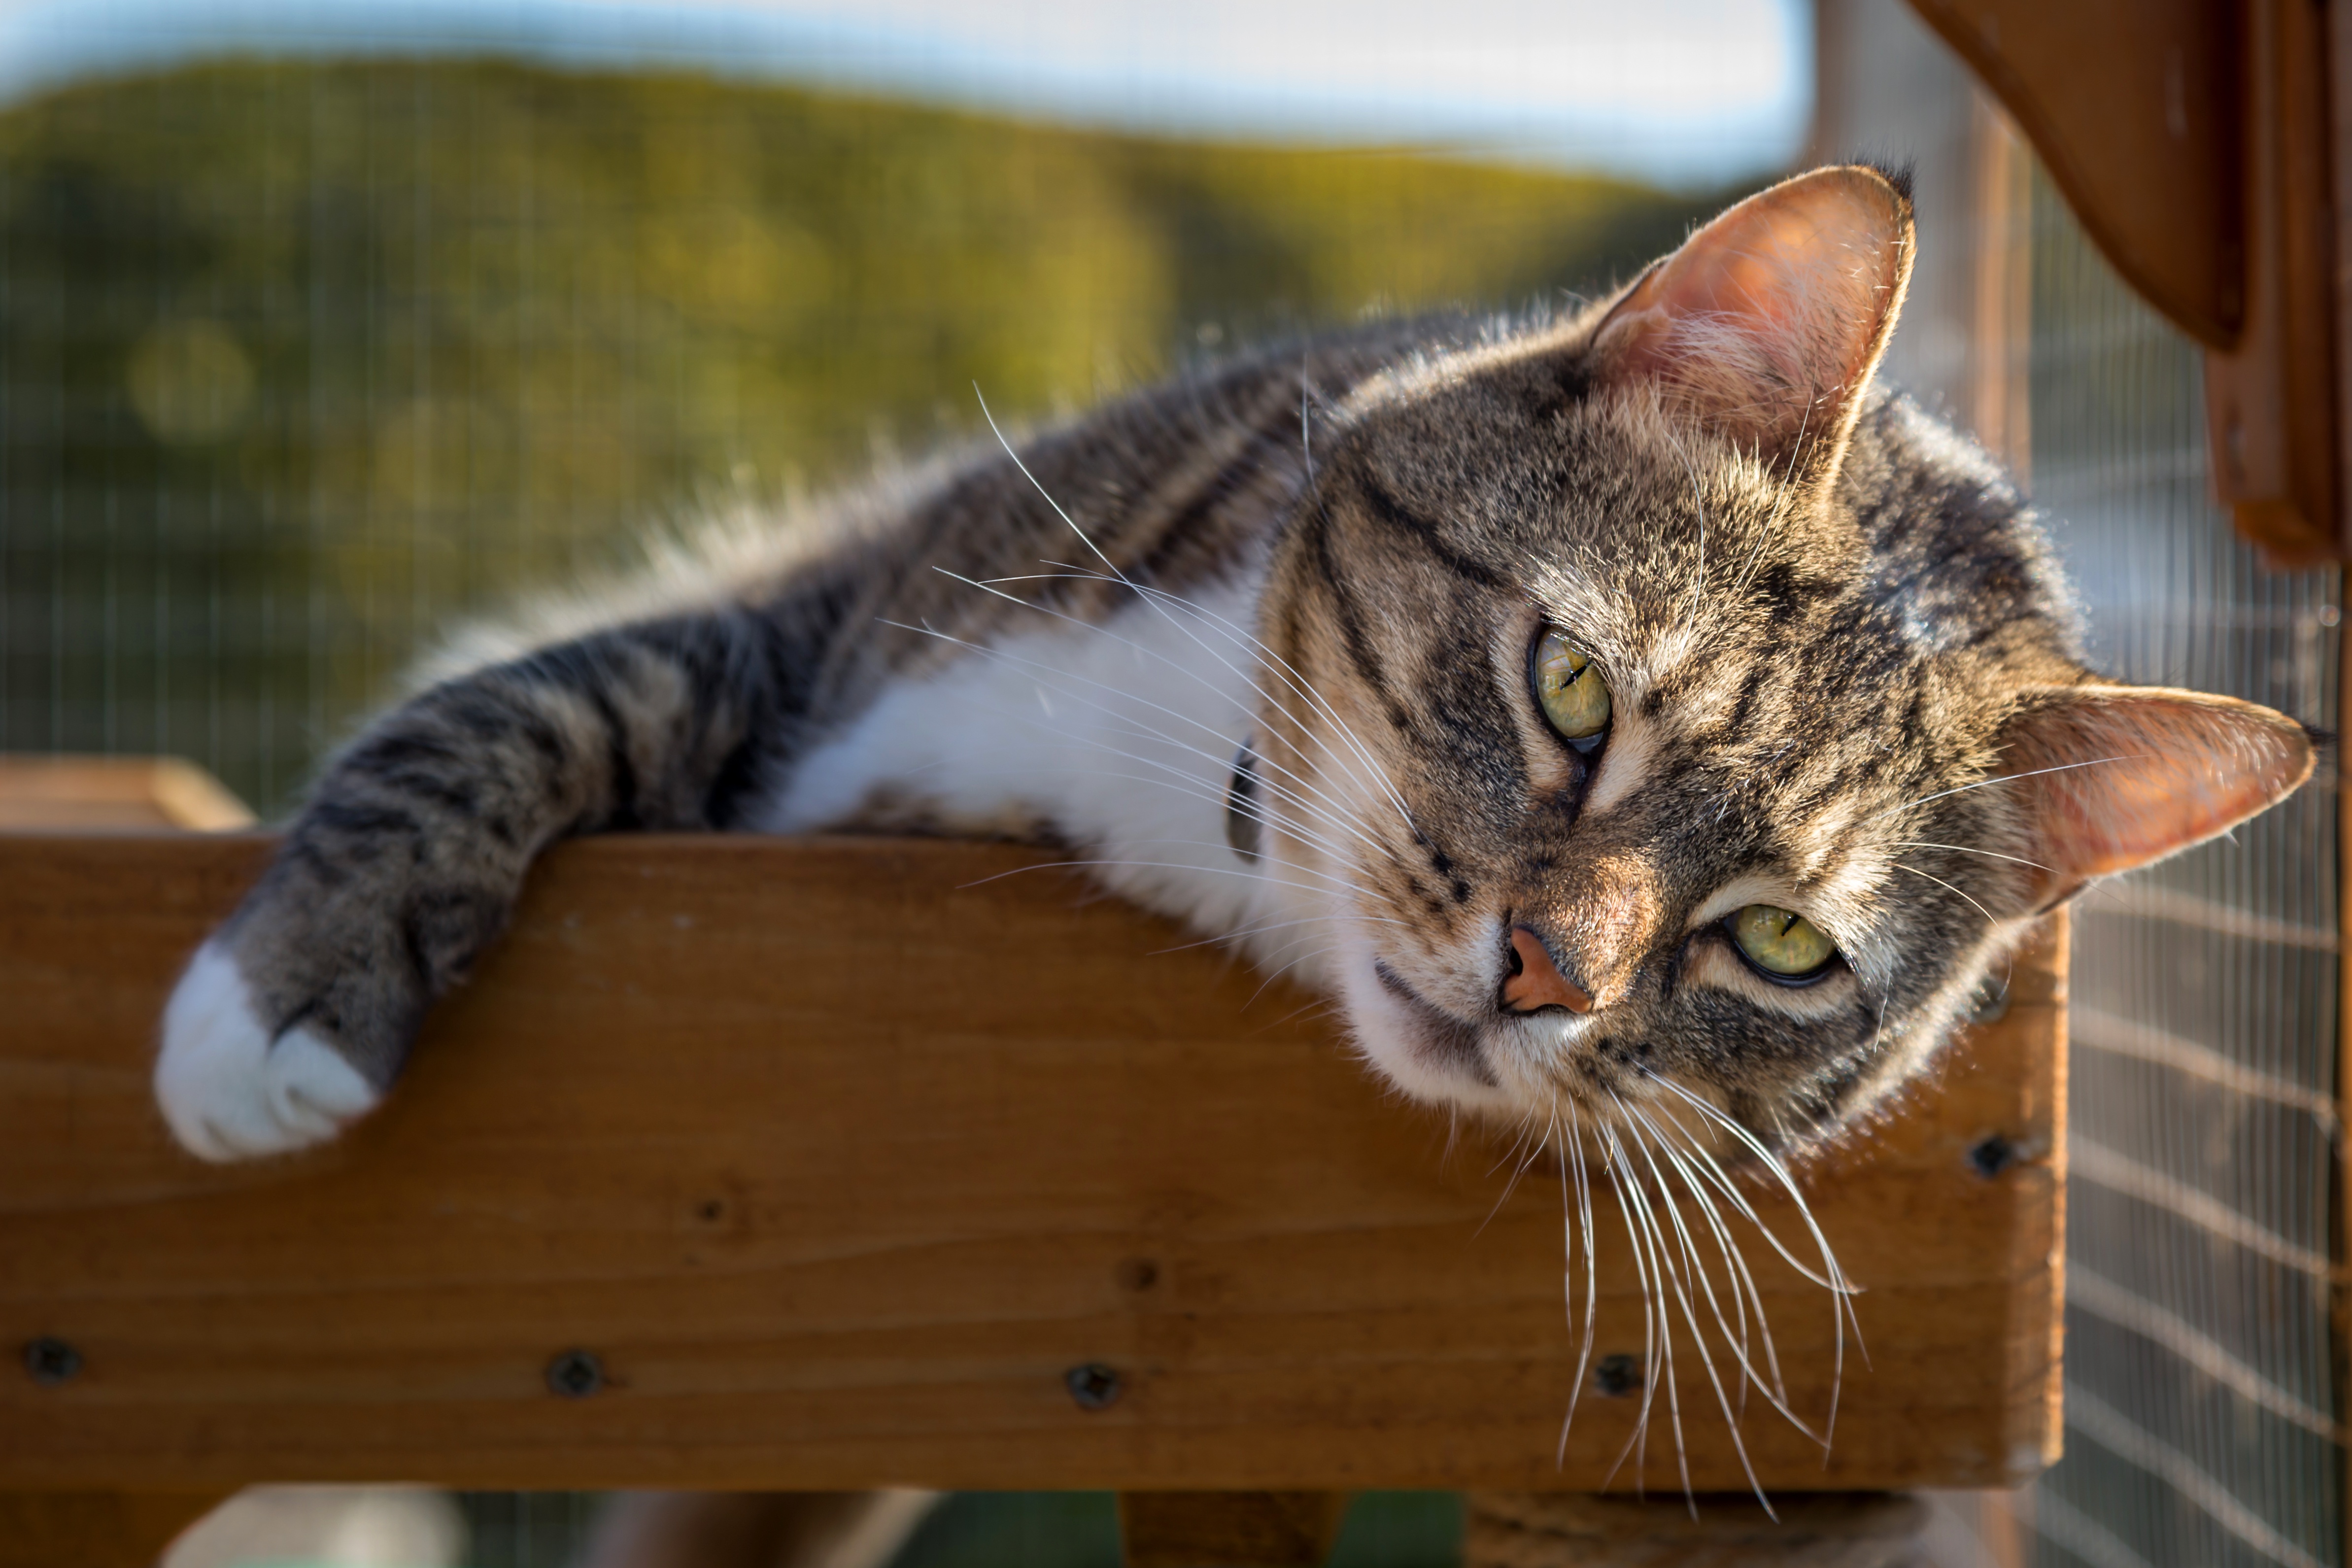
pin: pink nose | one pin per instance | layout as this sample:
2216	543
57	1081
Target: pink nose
1536	982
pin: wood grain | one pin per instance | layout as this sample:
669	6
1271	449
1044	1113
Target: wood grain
94	795
836	1158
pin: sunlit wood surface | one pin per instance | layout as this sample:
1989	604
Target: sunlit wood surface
837	1158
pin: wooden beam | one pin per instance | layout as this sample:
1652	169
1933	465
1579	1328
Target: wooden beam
2194	139
2269	401
2135	108
811	1164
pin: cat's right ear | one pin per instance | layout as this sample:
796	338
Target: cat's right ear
2110	777
1767	324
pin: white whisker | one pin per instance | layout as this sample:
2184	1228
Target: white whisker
1221	762
2004	778
1941	883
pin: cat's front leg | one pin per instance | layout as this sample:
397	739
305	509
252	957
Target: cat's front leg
297	1013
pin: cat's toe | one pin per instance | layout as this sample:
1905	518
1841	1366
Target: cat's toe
229	1090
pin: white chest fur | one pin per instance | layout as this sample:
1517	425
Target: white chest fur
1122	735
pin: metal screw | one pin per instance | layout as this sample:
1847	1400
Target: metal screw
1993	1156
575	1375
1094	1385
49	1361
1617	1375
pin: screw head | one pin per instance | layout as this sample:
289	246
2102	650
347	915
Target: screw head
1992	1156
49	1361
575	1375
1617	1375
1094	1385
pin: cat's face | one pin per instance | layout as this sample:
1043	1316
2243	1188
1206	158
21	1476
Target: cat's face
1661	692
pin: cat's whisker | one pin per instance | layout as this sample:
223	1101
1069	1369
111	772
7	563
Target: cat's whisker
1695	1269
1148	865
1664	1279
1699	1156
1730	1188
2002	779
1841	1290
1534	1144
1101	555
1941	883
1270	925
1305	688
1231	744
1177	780
1191	787
1969	849
1266	984
1741	1281
1613	1152
1574	1153
1317	1006
1378	781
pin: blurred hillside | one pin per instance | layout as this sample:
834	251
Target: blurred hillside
297	359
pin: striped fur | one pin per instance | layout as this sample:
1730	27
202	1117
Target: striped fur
1825	621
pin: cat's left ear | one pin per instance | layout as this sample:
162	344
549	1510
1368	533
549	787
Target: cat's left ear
1767	324
2111	777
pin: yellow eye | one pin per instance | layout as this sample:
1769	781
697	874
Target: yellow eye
1568	689
1781	943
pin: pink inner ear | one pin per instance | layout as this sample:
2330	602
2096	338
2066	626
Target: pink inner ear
1766	323
2133	775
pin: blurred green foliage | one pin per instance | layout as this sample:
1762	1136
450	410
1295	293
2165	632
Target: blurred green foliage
298	359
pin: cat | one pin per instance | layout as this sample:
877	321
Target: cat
1649	730
1639	711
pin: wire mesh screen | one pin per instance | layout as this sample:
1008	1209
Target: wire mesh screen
298	359
2200	1414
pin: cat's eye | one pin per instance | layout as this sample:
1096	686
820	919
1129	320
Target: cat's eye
1569	689
1783	943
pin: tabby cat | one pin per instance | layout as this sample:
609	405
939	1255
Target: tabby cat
1632	719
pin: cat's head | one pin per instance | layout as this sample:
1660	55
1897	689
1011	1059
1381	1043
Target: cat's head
1688	714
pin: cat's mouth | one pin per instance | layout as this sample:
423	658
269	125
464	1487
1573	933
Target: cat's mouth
1443	1042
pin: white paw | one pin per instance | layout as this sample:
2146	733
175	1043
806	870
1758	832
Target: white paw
229	1092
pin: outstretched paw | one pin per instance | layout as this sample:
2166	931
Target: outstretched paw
229	1090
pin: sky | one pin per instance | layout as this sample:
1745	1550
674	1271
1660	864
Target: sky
1685	92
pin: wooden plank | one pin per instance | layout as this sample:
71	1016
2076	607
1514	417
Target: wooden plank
2136	109
94	795
2270	402
835	1163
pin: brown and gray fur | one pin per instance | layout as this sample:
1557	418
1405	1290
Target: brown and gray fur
1843	668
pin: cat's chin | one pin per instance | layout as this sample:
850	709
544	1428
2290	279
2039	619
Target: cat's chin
1424	1050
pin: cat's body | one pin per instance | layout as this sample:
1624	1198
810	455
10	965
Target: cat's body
1643	727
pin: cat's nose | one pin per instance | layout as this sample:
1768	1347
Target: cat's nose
1536	982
